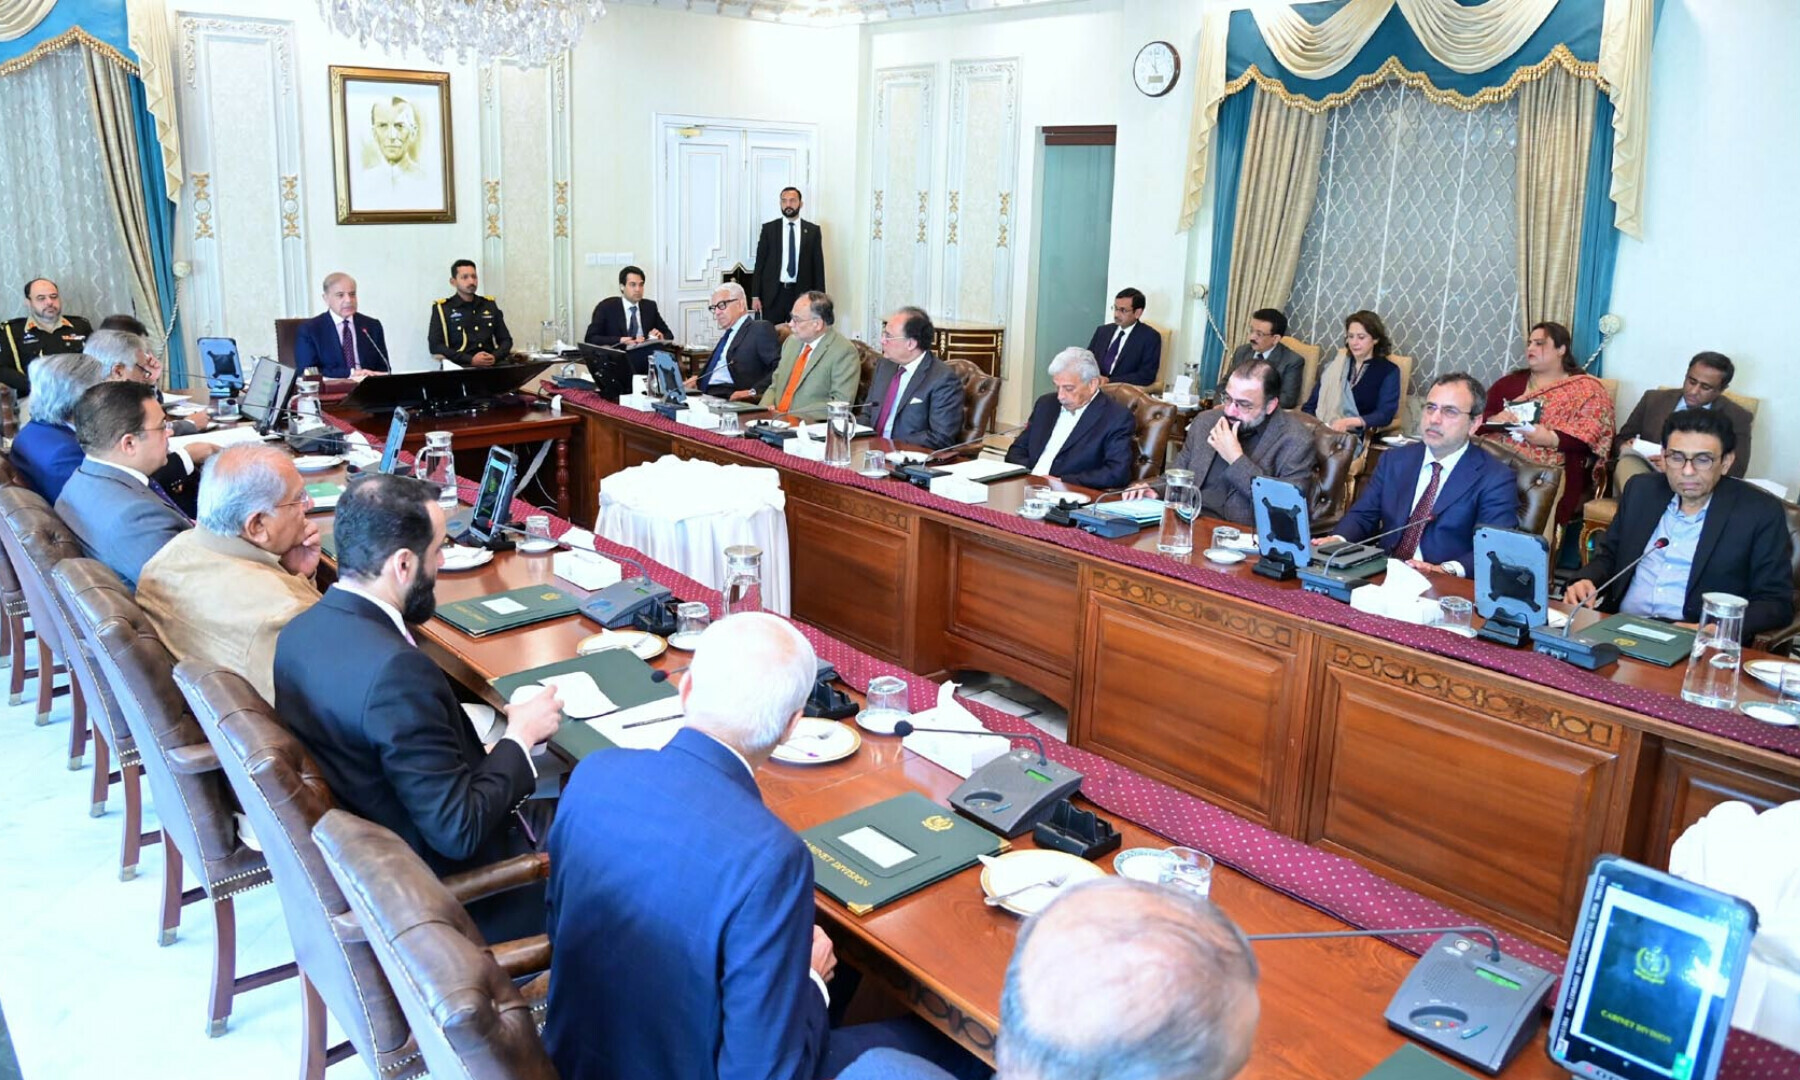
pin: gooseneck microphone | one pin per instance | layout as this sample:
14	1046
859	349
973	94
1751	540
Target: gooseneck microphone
1492	939
1426	520
1661	542
966	443
378	350
906	727
661	676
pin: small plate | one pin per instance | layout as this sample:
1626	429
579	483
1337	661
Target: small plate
906	457
684	642
317	462
1769	713
536	547
1141	863
873	474
457	557
816	741
1017	869
882	724
643	645
1767	672
1224	555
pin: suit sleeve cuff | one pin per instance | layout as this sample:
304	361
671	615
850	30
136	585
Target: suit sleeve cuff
819	982
520	743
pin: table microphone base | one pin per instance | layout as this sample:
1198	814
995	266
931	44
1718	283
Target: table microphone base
1584	654
1505	630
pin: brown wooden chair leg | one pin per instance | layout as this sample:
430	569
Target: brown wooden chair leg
102	775
46	682
224	964
312	1031
17	695
9	630
134	821
171	897
78	724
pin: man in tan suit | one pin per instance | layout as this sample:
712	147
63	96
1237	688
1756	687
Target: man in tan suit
221	592
818	364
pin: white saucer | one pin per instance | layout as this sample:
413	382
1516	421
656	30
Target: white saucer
684	642
873	474
1141	863
457	557
317	462
1768	672
883	724
1017	869
642	644
1224	555
817	741
1769	713
536	547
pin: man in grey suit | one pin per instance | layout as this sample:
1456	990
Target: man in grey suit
1246	436
1267	327
1708	374
818	364
120	515
914	397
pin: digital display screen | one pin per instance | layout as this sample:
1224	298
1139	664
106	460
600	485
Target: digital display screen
1496	978
877	847
1038	776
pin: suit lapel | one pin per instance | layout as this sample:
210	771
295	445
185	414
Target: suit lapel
1460	482
819	347
1718	514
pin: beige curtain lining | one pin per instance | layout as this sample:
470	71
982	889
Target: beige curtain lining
147	31
109	94
1556	126
20	17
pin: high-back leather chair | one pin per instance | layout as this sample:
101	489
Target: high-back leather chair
1540	486
1335	458
1155	421
42	520
782	331
1784	638
1399	423
740	274
467	1017
868	356
13	632
1309	361
287	331
193	799
981	398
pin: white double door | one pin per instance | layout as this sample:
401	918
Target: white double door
717	181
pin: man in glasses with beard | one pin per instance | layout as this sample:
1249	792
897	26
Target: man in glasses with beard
383	721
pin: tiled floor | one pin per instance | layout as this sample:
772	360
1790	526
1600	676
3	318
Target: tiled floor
1000	692
85	989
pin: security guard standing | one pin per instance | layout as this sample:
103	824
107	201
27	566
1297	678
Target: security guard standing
467	329
43	332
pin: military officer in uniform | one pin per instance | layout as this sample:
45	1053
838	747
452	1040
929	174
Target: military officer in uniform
467	329
43	332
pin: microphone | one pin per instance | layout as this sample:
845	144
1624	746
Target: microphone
1492	938
1426	520
1661	542
661	676
904	728
965	444
378	349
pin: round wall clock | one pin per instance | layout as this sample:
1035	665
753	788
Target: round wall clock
1156	68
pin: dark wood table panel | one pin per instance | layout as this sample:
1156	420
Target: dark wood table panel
502	425
1690	782
1015	611
846	572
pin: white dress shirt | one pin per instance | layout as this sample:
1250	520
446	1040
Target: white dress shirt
1059	435
721	375
1424	481
907	371
788	247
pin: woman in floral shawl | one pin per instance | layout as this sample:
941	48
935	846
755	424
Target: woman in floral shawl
1554	413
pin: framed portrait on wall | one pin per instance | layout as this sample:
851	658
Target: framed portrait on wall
390	135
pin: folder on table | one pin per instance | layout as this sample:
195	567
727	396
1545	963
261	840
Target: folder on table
621	676
1643	638
883	852
509	610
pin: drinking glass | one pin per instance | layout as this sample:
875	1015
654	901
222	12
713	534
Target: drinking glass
887	702
1227	536
1457	615
728	424
1188	868
692	619
1790	687
874	463
1037	502
537	532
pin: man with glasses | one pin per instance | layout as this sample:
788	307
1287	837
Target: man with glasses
121	516
1441	487
742	364
1267	327
818	364
253	545
1724	535
1708	374
1128	349
45	330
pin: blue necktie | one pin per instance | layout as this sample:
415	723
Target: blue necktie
1112	352
718	357
163	494
632	330
793	253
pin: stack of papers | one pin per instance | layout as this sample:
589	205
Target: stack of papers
1142	511
982	471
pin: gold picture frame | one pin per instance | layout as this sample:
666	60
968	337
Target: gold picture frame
392	149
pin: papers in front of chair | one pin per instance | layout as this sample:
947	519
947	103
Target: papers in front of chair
1142	511
959	489
983	471
649	726
221	437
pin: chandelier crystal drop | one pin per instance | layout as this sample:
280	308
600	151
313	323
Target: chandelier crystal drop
530	33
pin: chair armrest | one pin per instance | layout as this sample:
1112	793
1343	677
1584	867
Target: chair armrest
1776	640
523	956
348	927
472	885
193	758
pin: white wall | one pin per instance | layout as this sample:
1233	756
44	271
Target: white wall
1720	258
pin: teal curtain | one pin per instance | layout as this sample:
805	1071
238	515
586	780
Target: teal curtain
1233	132
1599	240
102	19
161	214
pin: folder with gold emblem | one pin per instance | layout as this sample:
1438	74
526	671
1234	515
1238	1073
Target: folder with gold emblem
483	615
883	852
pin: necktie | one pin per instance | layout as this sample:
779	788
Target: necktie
1415	525
631	331
887	402
793	253
718	357
163	494
1112	352
349	349
793	383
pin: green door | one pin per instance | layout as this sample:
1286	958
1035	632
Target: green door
1075	235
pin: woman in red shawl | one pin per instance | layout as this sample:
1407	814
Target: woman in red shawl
1554	413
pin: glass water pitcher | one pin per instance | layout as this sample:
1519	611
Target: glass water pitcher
436	464
743	580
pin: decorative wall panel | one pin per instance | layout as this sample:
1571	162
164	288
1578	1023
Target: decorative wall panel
901	150
523	172
978	189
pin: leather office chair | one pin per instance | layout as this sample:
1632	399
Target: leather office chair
284	796
1309	359
981	398
193	799
1155	419
868	355
1783	640
782	332
287	331
13	632
1540	486
1400	421
467	1017
740	274
1336	457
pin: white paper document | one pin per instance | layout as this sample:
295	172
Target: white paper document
644	727
982	471
221	438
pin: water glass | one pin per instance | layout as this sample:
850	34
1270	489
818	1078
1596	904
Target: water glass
1790	687
1712	674
692	619
874	463
1037	502
1181	505
728	424
1227	536
1189	869
1457	615
537	532
887	702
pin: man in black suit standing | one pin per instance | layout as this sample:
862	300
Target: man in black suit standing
1128	349
743	362
383	721
627	319
790	260
1267	327
914	397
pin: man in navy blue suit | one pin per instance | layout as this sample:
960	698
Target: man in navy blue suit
1128	349
1077	434
339	341
1442	487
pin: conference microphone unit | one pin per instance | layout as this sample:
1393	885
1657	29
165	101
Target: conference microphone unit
1585	654
1012	793
1361	560
616	606
920	473
1090	519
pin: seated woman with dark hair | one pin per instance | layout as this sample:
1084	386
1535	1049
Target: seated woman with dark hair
1359	390
1553	413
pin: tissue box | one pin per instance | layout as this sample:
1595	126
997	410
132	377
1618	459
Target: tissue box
810	449
585	570
640	402
959	489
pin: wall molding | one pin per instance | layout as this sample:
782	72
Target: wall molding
561	169
901	156
982	173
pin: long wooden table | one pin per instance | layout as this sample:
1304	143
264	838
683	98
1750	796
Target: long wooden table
1478	789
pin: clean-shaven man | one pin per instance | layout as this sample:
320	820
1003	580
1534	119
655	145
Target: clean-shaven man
913	396
743	362
121	516
341	342
818	364
1077	434
1128	349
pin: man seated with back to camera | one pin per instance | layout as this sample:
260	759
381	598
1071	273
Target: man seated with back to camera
1246	436
46	452
121	515
1724	535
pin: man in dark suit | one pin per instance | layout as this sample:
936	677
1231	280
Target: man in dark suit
1724	535
45	331
46	452
1708	374
743	362
628	319
913	396
790	260
1445	483
382	720
1077	434
1267	327
120	515
341	342
1128	349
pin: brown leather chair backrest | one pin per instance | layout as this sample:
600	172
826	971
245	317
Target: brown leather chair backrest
740	274
287	331
1334	463
466	1014
1540	486
11	595
782	331
1155	420
869	356
193	798
1793	524
284	796
981	398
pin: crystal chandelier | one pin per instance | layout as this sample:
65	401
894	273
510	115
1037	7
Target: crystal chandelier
530	33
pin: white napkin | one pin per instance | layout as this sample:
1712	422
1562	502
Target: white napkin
1400	596
961	754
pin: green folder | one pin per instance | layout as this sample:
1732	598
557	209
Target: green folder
1411	1063
1643	638
883	852
483	615
621	676
325	494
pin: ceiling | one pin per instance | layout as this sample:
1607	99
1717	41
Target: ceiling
834	12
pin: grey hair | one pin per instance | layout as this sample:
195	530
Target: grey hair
1177	993
238	481
57	383
1077	360
731	289
749	676
333	278
115	349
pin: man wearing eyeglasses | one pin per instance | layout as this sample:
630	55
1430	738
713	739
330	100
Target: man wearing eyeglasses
743	362
121	516
1441	487
1267	326
818	364
1708	376
1724	535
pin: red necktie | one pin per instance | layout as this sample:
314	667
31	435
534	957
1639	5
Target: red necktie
349	350
1415	525
887	403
